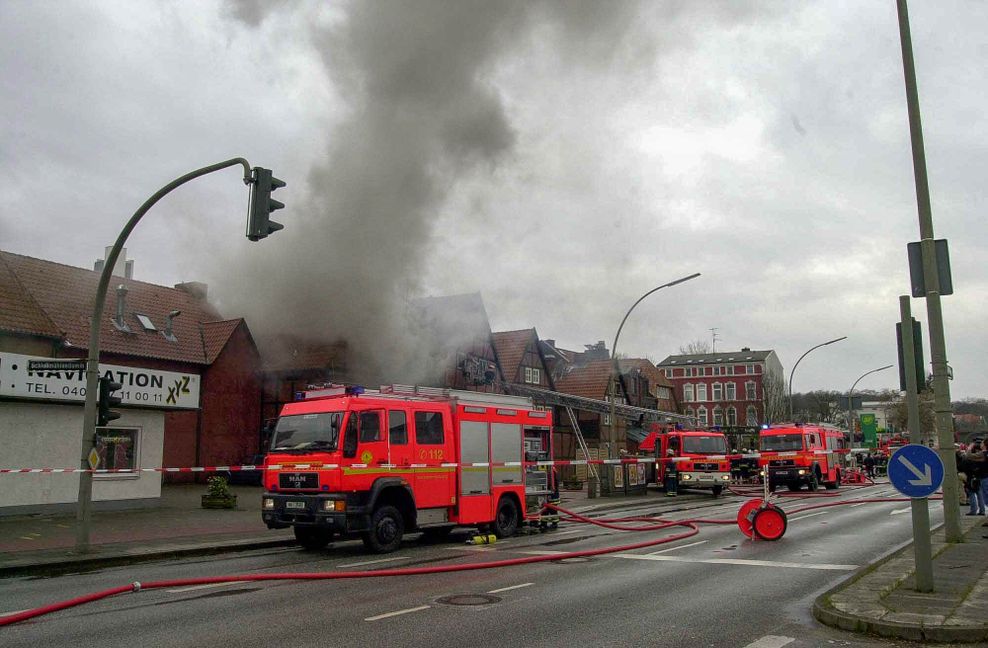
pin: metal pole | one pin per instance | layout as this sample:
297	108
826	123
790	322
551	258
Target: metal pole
938	352
922	550
850	403
797	364
84	510
615	368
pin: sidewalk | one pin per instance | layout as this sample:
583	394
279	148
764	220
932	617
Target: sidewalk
45	544
881	598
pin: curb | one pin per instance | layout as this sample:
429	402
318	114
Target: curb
78	563
826	614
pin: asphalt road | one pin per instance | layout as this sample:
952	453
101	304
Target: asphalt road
713	589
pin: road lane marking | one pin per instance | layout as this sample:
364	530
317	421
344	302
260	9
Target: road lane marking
393	614
513	587
857	505
739	561
556	533
662	551
898	511
373	562
544	552
803	517
771	641
200	587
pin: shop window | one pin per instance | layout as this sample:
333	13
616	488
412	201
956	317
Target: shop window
117	448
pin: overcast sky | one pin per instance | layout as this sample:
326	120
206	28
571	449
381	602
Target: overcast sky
561	158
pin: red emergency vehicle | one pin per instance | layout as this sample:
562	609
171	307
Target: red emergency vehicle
377	464
802	454
700	457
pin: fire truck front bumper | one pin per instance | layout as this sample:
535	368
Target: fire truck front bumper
280	511
779	476
702	479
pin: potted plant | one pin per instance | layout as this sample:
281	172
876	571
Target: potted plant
218	495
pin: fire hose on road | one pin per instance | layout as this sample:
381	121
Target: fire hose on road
750	512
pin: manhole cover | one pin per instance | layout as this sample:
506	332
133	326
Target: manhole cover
469	599
576	559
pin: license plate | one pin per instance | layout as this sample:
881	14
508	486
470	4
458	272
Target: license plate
294	505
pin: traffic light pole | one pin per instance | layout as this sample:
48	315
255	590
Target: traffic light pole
934	313
84	509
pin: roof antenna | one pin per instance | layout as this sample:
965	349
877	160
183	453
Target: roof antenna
168	333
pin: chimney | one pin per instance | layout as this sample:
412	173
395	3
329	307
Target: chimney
118	321
195	288
123	267
746	348
168	332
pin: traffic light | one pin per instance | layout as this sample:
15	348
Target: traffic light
259	223
107	400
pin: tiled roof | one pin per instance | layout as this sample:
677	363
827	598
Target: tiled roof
510	348
64	295
716	358
20	313
655	377
589	380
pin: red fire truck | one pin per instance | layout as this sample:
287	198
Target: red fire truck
375	464
700	456
802	454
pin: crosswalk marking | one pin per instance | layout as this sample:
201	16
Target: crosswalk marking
771	641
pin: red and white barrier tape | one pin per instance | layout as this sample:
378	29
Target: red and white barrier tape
315	466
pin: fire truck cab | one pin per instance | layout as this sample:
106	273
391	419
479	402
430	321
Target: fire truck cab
802	454
700	457
346	462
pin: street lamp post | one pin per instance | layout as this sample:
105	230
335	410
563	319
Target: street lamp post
797	364
84	511
615	369
850	402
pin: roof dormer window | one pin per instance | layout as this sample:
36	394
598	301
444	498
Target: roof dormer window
145	322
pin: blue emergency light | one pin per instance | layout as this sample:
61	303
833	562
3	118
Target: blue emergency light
354	390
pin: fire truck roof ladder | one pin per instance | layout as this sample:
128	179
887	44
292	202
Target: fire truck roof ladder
462	396
629	412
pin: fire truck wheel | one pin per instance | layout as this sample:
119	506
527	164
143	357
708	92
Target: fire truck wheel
312	538
386	529
718	490
506	522
813	482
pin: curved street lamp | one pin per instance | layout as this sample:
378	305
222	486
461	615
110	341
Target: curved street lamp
615	368
850	402
797	364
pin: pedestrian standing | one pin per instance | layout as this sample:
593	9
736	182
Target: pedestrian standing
869	464
977	479
961	462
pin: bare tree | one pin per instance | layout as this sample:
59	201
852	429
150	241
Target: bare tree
776	405
696	347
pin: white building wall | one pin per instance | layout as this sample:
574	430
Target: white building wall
45	435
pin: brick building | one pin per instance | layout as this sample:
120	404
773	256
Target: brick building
726	389
191	387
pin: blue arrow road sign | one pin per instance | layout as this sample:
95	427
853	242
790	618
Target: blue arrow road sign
915	471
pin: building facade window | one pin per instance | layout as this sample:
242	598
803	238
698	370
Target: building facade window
688	393
118	448
701	392
732	416
730	370
701	415
718	416
752	416
731	391
690	412
718	392
749	369
664	393
749	390
533	375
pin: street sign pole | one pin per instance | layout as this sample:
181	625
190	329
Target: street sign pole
917	472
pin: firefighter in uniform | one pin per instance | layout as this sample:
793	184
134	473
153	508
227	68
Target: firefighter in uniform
671	478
